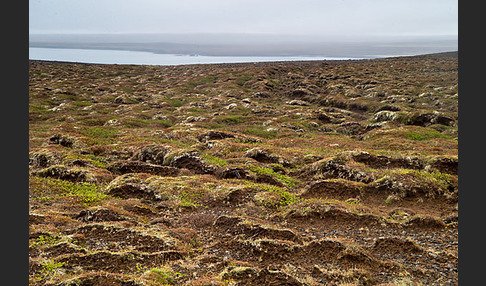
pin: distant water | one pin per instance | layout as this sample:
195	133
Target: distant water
147	58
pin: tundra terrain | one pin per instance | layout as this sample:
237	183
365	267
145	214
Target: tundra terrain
279	173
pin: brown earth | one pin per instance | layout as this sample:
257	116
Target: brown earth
285	173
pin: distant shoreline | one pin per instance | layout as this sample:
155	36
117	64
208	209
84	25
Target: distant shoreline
99	56
260	61
249	45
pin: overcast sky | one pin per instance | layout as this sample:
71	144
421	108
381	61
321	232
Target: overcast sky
305	17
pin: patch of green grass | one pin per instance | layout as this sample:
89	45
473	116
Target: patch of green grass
424	134
98	121
190	198
234	119
162	275
82	103
46	240
286	180
194	110
430	183
175	102
163	123
49	269
403	281
444	180
213	160
275	197
127	89
51	188
135	122
201	81
260	131
241	80
98	161
39	108
99	132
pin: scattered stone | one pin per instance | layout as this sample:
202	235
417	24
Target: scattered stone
451	219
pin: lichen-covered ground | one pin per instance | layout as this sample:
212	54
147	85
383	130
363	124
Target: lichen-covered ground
285	173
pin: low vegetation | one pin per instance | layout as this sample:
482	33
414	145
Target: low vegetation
285	173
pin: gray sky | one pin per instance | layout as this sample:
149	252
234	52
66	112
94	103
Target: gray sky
304	17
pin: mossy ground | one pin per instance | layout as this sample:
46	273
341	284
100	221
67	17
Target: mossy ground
191	202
